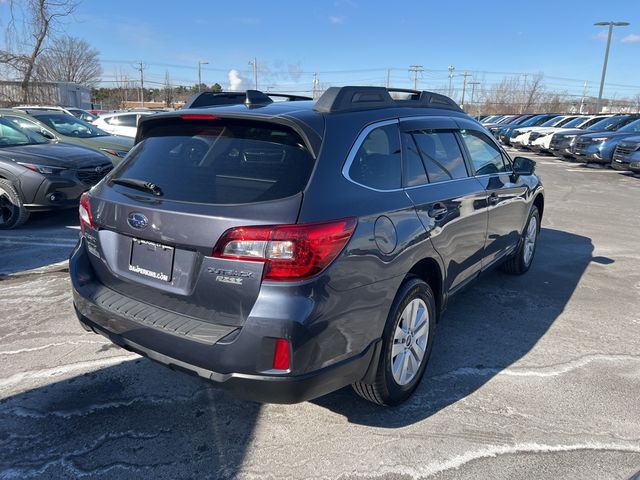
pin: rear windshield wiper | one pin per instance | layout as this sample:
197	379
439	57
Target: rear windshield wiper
139	184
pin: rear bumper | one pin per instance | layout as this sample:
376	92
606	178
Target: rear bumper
257	388
238	359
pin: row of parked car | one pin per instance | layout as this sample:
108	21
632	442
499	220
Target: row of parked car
601	139
49	156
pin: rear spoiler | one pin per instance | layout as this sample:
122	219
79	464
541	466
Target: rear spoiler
309	136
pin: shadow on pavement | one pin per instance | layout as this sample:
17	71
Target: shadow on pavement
486	329
133	420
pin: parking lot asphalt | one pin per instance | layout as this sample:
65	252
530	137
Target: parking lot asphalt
531	377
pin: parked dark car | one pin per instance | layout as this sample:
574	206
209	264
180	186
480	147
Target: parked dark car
285	250
518	120
37	174
599	147
563	143
627	151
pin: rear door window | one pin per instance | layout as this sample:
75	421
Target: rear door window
441	155
377	162
220	161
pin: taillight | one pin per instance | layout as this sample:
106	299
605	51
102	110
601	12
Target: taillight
85	212
290	252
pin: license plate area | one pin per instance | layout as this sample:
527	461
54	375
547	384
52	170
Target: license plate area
152	260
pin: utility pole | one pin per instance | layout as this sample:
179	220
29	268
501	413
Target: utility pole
388	77
464	88
451	69
254	63
415	69
473	91
606	57
140	67
314	86
585	90
524	93
200	63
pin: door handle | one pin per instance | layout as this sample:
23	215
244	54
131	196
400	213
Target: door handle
493	199
437	211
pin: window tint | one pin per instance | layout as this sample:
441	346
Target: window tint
414	172
220	162
441	155
377	161
485	157
127	120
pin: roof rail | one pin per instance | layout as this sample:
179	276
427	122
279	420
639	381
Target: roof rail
254	98
350	98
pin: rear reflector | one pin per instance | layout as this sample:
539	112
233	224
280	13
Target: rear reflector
282	355
198	116
290	252
86	219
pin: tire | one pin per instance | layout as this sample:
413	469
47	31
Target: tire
521	260
391	388
12	210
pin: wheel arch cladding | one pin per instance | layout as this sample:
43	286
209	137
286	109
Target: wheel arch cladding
539	203
428	270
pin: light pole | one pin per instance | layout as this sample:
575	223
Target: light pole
606	56
200	63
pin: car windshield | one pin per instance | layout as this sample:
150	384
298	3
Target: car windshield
608	124
632	127
12	136
575	122
70	126
552	122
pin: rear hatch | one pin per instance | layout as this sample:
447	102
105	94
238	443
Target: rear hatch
189	179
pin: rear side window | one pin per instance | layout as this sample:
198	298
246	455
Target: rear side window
220	161
485	157
441	155
377	163
127	120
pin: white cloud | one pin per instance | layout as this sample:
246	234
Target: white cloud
336	20
236	82
602	35
631	38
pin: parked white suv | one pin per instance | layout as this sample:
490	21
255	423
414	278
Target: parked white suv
540	141
121	123
520	136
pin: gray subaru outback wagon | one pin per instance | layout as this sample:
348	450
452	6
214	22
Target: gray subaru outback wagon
284	250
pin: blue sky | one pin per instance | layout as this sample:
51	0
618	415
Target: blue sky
355	41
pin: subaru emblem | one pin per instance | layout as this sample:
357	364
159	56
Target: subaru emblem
138	220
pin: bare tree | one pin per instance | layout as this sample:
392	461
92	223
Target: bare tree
31	23
123	84
532	92
69	59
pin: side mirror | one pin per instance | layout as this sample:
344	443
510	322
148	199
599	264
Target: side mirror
523	166
47	134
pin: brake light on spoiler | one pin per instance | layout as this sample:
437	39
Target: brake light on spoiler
289	252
